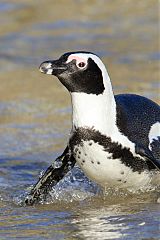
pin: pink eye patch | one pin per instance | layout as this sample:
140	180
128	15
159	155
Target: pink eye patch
77	58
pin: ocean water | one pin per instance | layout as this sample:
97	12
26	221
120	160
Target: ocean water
35	115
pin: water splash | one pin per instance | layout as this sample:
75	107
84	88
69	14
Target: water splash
75	186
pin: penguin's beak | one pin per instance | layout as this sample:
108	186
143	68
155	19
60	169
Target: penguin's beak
53	67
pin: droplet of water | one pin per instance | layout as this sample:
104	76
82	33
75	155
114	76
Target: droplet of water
142	224
69	167
41	174
57	164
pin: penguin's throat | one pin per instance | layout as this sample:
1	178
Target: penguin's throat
94	111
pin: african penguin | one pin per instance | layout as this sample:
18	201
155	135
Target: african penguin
114	139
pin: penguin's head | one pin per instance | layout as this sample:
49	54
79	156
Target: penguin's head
78	72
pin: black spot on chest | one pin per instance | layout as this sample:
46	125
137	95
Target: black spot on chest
118	151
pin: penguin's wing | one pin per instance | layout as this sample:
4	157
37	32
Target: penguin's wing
148	155
51	177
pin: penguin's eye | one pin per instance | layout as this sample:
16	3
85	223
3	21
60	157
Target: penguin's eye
81	64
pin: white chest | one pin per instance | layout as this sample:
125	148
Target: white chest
99	166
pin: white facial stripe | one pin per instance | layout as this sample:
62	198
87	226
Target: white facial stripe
84	57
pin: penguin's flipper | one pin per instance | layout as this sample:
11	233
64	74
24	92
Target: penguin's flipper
147	154
51	177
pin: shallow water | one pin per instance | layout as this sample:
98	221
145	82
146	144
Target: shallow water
35	114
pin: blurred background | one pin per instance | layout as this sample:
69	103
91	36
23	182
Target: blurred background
124	33
35	109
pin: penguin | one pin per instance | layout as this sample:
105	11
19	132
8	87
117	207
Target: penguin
115	139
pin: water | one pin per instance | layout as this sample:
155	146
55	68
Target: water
35	114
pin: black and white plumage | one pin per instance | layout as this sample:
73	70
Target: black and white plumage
114	139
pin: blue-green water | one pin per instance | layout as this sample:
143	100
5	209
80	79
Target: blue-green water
35	114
